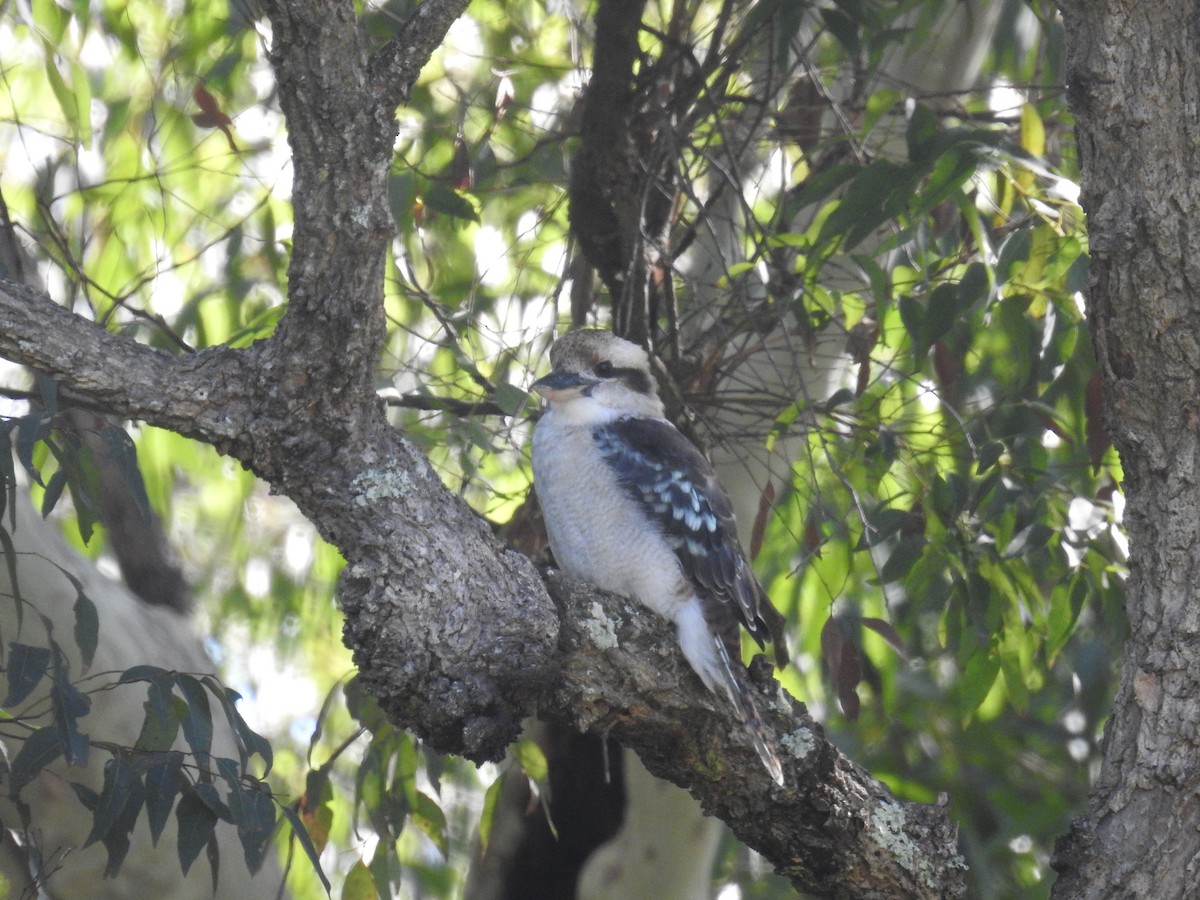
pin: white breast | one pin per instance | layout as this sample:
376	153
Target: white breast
596	531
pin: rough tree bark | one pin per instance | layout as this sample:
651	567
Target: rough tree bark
1133	74
456	636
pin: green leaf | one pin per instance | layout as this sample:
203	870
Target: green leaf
53	492
164	781
431	820
974	286
456	204
31	429
1014	681
989	455
487	818
878	193
119	779
922	128
10	562
120	448
143	673
254	814
359	883
27	666
69	705
511	399
978	678
1014	249
164	712
87	628
8	476
881	525
531	759
249	741
1033	131
310	851
116	841
941	313
40	749
197	724
51	20
1066	601
907	551
262	326
197	822
843	28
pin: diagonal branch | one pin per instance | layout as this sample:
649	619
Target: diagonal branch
833	830
394	68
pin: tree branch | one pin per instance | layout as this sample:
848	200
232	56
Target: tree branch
394	69
833	830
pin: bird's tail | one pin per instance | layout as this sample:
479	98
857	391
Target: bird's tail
738	691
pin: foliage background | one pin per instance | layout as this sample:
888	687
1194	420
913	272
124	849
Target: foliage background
953	482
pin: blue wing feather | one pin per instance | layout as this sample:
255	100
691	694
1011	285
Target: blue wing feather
662	470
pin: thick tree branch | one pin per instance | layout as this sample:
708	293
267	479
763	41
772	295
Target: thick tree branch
833	830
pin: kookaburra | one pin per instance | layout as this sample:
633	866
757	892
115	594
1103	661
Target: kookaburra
632	506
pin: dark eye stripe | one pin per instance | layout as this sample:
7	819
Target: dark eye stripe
637	379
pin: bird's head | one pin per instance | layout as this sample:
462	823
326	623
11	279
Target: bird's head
598	376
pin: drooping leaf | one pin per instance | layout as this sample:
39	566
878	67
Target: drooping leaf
197	822
31	429
163	780
359	883
120	448
164	712
431	820
253	812
87	628
249	741
487	818
888	632
10	562
314	806
305	842
27	665
978	678
457	204
69	705
118	790
906	552
40	749
197	723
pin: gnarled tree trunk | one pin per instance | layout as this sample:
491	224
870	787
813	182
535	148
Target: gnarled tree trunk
1134	85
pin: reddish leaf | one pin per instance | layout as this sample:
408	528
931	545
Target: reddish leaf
211	116
765	501
864	378
812	537
839	649
461	175
208	105
946	365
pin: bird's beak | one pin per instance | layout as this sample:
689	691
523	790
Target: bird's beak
561	385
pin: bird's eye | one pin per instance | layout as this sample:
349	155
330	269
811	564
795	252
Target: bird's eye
605	369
